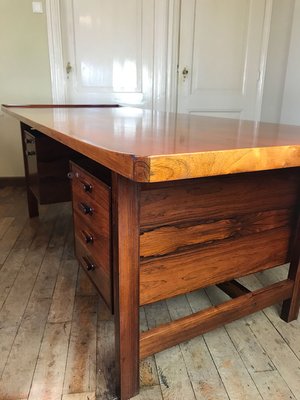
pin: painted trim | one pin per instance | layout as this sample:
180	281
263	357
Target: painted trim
290	94
166	51
56	52
160	42
263	59
173	55
12	181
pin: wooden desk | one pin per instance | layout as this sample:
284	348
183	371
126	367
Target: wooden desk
195	201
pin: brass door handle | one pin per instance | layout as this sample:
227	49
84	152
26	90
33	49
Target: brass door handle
185	73
68	68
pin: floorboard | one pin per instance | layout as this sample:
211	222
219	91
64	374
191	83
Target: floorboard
57	335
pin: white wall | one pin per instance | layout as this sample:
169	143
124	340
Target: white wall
290	113
24	73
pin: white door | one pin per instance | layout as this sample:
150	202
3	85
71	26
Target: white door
223	46
291	94
108	51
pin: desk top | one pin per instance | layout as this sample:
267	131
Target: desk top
151	146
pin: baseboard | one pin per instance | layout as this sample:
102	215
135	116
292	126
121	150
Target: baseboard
12	181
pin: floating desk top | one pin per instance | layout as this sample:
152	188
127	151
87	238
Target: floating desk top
150	146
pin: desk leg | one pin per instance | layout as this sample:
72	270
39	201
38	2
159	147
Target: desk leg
125	194
290	307
33	205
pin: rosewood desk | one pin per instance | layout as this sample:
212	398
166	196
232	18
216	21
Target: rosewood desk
188	202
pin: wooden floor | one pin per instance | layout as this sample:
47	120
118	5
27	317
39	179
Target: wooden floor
56	336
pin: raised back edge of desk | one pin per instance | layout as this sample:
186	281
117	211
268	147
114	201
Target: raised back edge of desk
161	168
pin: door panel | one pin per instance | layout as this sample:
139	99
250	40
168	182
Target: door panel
221	45
115	51
109	45
225	25
291	93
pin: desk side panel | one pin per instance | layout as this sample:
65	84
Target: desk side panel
206	231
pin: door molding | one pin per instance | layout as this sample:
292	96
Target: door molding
173	55
55	51
263	58
166	41
166	53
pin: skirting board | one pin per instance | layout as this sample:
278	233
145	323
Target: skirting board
12	181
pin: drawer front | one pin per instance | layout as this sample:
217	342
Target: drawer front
30	144
47	166
92	226
91	213
31	160
95	239
100	278
87	187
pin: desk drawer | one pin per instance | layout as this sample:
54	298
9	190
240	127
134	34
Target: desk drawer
92	226
31	160
29	142
95	238
46	166
91	211
87	187
97	274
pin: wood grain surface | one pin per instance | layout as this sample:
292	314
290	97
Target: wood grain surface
170	239
164	277
151	146
225	196
185	328
211	230
233	289
290	308
125	212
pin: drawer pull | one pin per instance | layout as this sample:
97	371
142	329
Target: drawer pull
29	141
30	153
88	238
90	266
85	208
87	187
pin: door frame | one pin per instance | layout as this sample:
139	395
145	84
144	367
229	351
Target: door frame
263	58
57	69
166	42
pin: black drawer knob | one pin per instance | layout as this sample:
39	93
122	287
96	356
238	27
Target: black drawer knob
29	141
90	266
86	209
87	187
88	238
